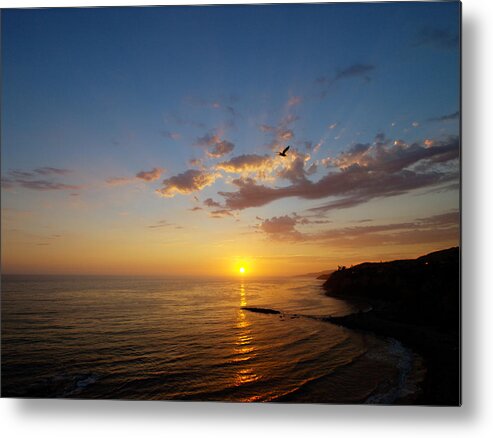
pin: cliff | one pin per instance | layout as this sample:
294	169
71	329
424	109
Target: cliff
417	302
422	291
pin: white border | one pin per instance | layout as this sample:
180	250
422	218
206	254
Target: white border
57	418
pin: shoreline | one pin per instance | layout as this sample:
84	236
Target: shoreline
439	351
417	302
384	349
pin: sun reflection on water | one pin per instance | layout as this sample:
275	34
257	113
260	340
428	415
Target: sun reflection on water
244	346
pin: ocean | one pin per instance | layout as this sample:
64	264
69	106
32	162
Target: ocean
189	339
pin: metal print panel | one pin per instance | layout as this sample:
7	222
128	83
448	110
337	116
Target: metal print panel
232	203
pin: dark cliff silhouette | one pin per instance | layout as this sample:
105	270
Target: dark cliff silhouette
416	301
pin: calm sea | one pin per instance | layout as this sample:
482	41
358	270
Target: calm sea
188	339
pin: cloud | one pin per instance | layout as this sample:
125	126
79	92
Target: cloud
294	169
150	175
218	214
354	70
31	179
7	183
281	228
267	167
119	181
45	171
445	118
433	229
267	128
219	147
47	185
196	162
209	202
281	132
380	138
438	38
261	165
362	173
52	171
187	182
160	224
285	134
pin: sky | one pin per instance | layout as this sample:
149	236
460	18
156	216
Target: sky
144	141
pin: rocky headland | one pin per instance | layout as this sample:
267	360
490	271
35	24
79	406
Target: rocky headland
417	302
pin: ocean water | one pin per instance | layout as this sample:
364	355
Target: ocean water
189	339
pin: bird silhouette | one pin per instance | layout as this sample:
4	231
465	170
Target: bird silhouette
283	153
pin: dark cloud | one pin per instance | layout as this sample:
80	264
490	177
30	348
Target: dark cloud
7	183
380	138
352	71
281	228
209	202
52	171
445	118
31	179
434	229
281	133
215	146
196	162
160	224
46	185
150	175
187	182
295	170
218	214
438	38
21	174
364	172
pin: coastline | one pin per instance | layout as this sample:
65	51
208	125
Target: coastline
439	351
416	302
383	352
415	306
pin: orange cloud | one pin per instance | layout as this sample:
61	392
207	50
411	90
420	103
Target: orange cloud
261	165
187	182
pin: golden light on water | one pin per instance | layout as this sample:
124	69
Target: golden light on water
244	349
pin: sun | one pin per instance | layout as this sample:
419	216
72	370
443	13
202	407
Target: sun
242	269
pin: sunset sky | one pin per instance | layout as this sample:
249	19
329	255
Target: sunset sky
143	140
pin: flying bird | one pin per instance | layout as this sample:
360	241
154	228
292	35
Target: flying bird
283	153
